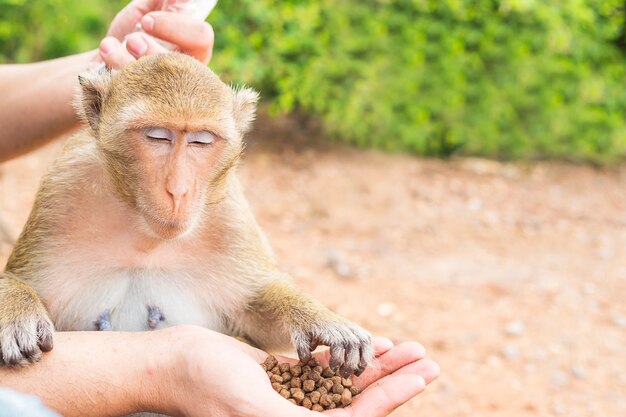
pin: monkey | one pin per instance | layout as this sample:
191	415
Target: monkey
141	223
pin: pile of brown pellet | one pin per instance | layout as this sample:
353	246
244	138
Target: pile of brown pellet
310	385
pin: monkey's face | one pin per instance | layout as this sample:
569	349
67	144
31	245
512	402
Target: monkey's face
177	172
170	133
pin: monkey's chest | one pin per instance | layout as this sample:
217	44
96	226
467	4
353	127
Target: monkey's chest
129	300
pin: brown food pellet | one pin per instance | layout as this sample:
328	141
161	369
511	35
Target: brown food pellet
310	385
315	397
297	394
307	403
337	389
346	397
326	400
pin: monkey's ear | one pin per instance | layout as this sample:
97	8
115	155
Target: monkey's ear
245	108
94	86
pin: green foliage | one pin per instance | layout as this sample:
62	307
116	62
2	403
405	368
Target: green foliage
508	78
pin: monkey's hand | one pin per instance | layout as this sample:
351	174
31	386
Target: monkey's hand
281	314
350	345
25	328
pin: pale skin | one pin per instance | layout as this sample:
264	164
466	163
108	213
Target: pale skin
37	97
114	370
190	371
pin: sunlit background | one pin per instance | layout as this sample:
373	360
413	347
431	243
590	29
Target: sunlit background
482	211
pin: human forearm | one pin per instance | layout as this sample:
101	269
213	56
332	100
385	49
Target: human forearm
36	104
107	373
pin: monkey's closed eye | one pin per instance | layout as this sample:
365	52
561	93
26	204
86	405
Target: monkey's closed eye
159	133
202	137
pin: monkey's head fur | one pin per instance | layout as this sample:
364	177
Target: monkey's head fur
169	132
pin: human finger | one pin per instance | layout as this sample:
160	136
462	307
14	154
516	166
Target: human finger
190	35
382	397
113	53
391	361
126	19
427	369
139	44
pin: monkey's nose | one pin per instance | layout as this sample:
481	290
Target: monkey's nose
177	190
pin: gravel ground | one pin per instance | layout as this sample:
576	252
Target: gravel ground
513	276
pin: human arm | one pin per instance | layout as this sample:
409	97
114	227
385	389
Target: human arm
190	371
36	102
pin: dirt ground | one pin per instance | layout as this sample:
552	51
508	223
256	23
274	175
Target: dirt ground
513	276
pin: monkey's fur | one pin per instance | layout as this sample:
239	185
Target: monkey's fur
129	232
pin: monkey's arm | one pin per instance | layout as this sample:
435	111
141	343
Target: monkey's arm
281	314
25	328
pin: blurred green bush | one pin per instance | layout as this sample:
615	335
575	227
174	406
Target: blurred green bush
507	79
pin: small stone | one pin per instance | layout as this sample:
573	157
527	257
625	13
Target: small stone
328	373
578	372
291	400
510	352
336	380
317	407
385	309
284	393
275	370
313	363
514	328
283	367
315	376
354	390
619	320
337	399
317	369
277	386
558	378
321	390
286	376
332	405
346	382
308	385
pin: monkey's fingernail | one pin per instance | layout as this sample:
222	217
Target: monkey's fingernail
137	45
107	45
147	23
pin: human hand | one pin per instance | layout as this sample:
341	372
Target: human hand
190	35
222	376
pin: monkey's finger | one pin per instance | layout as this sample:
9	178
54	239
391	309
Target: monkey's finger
113	53
44	336
337	356
190	35
303	344
351	360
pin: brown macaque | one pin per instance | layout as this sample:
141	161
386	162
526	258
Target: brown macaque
141	223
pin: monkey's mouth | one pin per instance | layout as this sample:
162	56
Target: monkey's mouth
167	228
